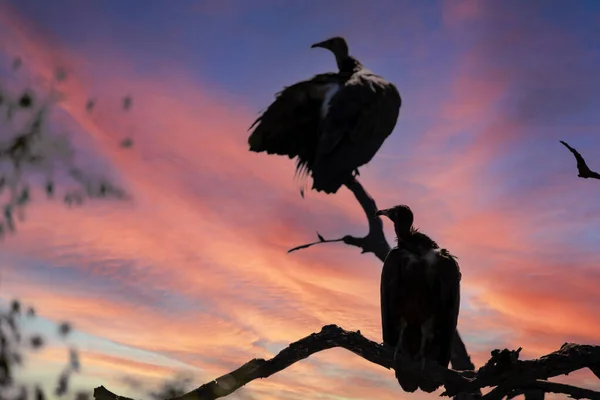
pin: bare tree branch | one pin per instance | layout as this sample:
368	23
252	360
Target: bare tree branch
582	168
542	387
374	242
504	371
321	240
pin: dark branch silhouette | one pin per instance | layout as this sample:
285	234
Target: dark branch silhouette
583	170
504	371
542	387
321	240
374	242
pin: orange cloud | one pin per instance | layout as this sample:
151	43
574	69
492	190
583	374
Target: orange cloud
196	266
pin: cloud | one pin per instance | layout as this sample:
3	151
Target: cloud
195	267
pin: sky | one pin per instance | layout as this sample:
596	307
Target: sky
191	274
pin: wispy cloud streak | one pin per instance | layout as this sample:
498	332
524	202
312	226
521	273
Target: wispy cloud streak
193	272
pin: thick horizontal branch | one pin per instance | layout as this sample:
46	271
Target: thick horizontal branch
503	370
548	387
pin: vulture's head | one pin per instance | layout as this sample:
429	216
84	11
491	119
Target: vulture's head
401	216
337	45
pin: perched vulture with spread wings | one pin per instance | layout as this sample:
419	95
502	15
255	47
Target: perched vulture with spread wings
420	299
333	123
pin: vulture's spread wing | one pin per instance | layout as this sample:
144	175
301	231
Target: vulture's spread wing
290	125
361	115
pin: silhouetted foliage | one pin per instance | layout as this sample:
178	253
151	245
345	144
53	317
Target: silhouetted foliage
174	387
11	356
33	147
28	146
64	328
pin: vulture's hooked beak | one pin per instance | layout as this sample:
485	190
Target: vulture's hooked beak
383	212
324	44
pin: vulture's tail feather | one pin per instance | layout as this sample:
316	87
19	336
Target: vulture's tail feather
428	386
407	382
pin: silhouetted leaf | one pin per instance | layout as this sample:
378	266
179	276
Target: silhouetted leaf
5	370
16	64
49	188
37	341
15	307
126	143
89	106
74	360
127	103
82	396
8	215
62	384
23	197
60	74
39	393
26	100
173	388
74	198
64	328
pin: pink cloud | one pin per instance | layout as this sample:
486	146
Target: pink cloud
211	222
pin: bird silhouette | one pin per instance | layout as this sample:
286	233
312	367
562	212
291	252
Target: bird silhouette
420	300
333	123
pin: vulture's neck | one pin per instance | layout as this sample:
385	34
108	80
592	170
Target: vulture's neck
348	64
415	241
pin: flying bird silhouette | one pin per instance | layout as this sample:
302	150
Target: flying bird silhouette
420	299
583	170
332	123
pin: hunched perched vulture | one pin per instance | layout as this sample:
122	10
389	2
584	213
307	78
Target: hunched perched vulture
420	298
333	123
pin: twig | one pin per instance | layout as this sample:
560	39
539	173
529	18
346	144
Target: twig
374	242
321	240
504	370
555	387
514	389
583	170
